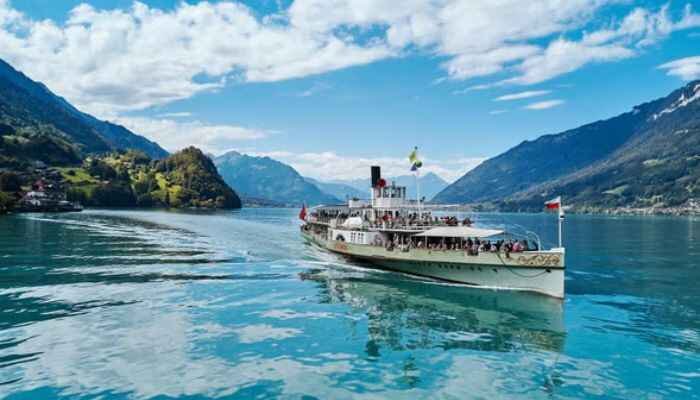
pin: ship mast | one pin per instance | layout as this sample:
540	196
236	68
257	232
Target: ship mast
561	221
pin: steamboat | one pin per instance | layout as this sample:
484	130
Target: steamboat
391	232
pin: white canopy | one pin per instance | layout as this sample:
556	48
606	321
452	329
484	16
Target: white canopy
459	231
353	222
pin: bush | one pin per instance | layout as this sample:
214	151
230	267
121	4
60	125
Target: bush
100	169
112	195
7	202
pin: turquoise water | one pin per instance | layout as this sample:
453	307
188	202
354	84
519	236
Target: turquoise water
120	304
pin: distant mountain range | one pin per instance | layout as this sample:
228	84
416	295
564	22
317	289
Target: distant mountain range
648	157
36	124
261	179
430	184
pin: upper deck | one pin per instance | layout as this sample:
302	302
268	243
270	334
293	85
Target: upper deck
388	209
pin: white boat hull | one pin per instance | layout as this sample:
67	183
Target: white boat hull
541	272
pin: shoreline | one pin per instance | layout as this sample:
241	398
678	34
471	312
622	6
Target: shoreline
687	210
619	211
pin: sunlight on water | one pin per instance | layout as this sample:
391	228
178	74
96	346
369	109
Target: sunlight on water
136	304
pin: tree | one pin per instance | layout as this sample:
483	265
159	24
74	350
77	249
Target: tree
6	202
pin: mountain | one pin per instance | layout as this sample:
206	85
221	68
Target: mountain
264	178
339	190
647	157
430	184
35	124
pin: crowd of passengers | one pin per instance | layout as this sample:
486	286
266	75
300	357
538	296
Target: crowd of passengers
395	220
470	246
413	219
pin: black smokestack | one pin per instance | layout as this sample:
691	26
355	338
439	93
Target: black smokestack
376	175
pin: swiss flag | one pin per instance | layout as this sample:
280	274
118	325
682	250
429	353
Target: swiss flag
553	204
302	213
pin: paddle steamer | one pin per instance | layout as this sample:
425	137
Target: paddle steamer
391	232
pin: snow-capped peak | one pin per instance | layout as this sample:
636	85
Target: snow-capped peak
681	102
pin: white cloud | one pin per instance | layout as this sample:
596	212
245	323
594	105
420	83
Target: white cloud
470	65
111	61
687	68
639	29
329	165
473	88
496	112
522	95
543	105
563	56
642	27
174	135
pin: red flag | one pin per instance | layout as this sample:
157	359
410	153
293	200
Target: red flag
302	213
553	204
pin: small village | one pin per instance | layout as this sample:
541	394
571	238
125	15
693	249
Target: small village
38	189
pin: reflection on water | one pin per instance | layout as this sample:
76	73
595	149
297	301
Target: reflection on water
118	304
407	314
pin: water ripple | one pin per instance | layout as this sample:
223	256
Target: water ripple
136	304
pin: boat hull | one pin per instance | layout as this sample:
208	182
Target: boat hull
540	272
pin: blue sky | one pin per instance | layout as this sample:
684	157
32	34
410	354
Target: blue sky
333	86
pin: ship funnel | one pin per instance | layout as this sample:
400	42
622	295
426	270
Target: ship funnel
376	175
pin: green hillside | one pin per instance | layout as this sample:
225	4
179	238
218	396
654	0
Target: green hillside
37	125
185	179
646	158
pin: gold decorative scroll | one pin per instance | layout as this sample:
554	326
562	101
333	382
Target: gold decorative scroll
539	260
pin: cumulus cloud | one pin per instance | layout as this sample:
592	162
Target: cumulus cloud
329	165
543	105
642	27
522	95
174	135
687	68
562	56
639	29
111	61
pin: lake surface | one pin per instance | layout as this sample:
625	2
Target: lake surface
136	304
